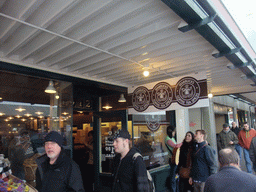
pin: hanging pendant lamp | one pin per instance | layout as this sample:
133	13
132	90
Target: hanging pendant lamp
122	99
50	89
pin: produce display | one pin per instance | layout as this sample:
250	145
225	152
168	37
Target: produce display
10	183
13	184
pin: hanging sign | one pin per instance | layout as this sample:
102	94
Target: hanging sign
175	93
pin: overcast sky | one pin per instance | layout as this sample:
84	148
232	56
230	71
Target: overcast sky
243	12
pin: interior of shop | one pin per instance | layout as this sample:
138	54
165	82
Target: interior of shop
27	113
29	108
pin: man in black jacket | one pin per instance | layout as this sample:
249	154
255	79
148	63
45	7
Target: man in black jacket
236	130
130	173
56	172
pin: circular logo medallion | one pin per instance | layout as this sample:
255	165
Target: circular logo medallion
162	95
187	91
153	122
140	99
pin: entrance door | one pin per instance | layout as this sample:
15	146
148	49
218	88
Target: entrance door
105	125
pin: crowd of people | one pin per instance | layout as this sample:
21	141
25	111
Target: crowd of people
196	171
197	161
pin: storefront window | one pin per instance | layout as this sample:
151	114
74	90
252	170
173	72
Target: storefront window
27	114
149	137
150	141
108	129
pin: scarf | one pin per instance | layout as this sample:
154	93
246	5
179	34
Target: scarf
247	134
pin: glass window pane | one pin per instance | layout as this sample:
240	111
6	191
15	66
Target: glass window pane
27	114
149	138
107	149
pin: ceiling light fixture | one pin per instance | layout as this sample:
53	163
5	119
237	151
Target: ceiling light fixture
50	89
122	99
145	70
107	106
20	109
28	115
2	114
146	73
210	95
39	113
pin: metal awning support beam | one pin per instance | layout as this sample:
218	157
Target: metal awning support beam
196	25
192	12
247	76
239	65
227	53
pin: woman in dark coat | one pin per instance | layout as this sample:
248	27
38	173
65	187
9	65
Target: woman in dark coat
185	161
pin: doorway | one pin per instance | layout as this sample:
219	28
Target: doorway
103	124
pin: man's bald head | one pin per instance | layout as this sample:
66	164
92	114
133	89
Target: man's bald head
228	156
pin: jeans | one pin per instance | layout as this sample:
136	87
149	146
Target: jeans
247	160
173	186
238	150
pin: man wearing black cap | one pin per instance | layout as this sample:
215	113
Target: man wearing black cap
130	174
56	172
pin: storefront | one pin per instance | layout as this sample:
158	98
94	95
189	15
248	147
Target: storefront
27	113
181	102
230	108
78	107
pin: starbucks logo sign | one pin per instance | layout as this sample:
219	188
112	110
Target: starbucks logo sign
153	122
187	91
141	99
162	95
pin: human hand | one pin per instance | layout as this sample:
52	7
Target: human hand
231	142
190	181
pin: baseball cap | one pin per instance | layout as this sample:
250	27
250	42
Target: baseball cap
121	133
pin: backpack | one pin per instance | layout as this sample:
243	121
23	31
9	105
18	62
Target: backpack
150	180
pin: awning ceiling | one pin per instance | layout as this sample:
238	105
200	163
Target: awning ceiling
113	41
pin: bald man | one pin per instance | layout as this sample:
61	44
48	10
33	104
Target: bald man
230	178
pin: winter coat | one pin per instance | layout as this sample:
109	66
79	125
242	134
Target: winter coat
224	138
230	179
130	175
252	151
245	138
204	162
62	176
236	130
185	158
